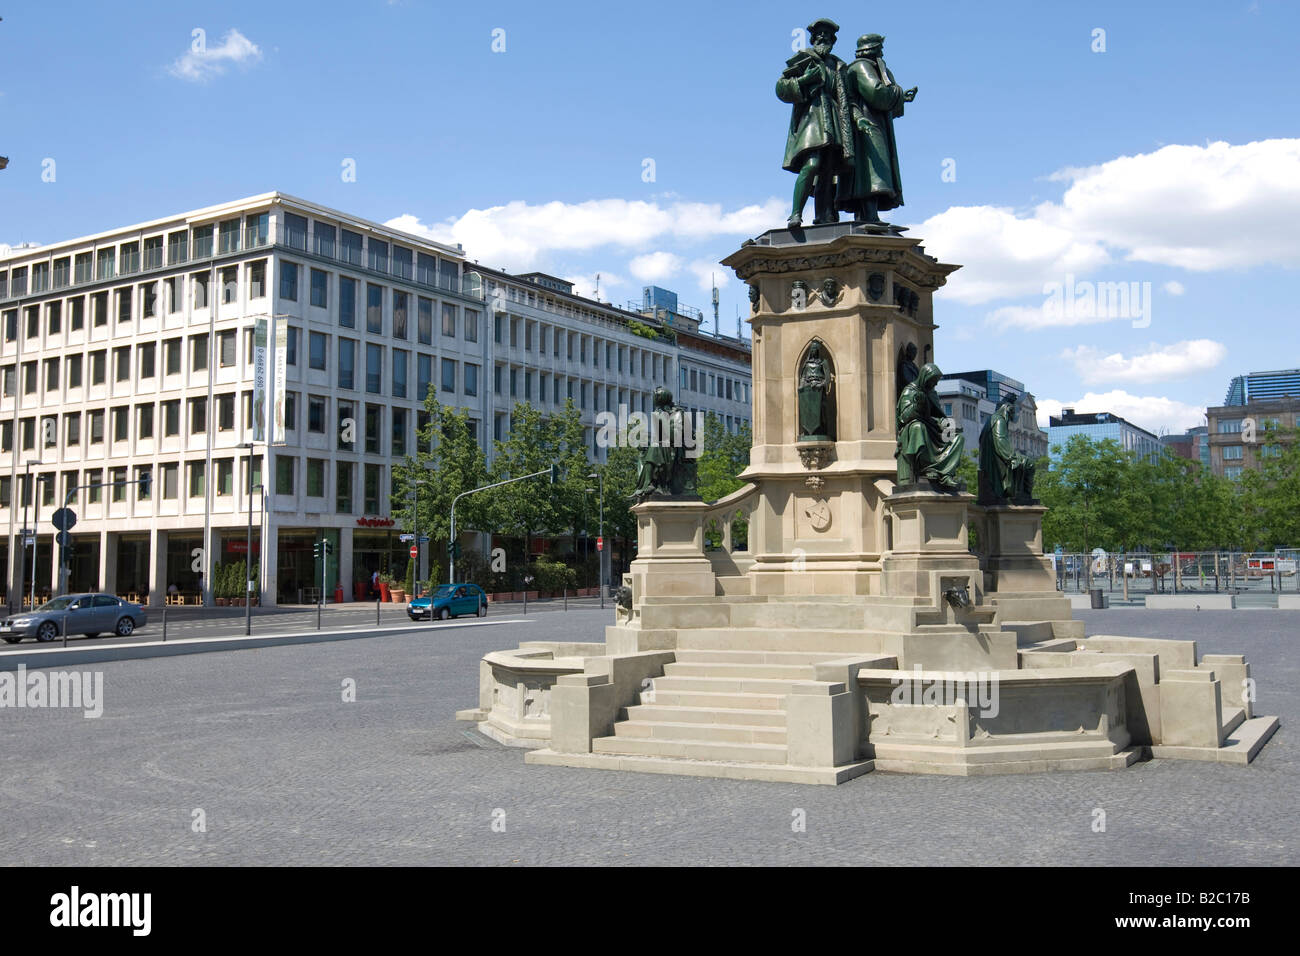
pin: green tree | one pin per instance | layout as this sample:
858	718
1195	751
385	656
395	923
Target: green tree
1089	494
723	456
1270	495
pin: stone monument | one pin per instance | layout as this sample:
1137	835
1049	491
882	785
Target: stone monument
856	629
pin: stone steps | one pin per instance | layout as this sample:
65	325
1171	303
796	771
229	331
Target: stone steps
713	669
747	716
714	701
831	642
724	684
720	656
677	730
712	749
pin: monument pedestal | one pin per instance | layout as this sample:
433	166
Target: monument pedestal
1018	578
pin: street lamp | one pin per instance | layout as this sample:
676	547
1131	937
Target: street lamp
600	552
31	494
248	544
415	521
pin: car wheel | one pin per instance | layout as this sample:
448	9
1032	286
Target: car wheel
12	639
443	614
47	632
482	610
125	627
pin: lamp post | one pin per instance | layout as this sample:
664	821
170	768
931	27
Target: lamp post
248	542
600	552
415	521
31	495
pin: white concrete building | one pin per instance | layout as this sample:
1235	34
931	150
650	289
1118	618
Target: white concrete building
130	353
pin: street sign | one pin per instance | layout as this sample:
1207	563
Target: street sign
28	542
600	544
415	552
64	539
406	537
63	519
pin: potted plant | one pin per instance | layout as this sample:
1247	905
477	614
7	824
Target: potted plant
385	586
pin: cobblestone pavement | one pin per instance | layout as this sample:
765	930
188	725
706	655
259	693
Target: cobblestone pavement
286	772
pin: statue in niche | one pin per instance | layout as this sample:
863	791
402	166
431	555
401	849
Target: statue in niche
667	467
1005	474
816	396
830	291
753	298
876	286
906	369
925	450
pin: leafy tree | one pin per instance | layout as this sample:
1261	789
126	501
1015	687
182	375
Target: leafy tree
723	456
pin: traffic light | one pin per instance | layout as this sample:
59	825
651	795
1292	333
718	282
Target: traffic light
455	550
321	549
329	548
315	550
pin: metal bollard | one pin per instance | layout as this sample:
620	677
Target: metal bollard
566	597
164	623
378	601
319	605
65	628
525	597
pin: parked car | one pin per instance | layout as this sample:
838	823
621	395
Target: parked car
88	614
449	600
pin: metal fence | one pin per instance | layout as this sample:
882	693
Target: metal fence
1133	575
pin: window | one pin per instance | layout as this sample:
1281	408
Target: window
471	379
374	368
177	247
399	315
424	321
198	353
423	375
347	363
401	262
374	428
226	349
76	314
225	484
51	375
128	259
171	418
318	345
289	281
83	268
400	360
316	415
315	478
1233	472
284	474
96	426
148	353
347	428
74	371
343	487
228	236
172	357
6	435
256	280
105	261
142	491
203	241
1230	426
54	318
122	364
50	431
471	327
426	269
399	432
123	305
200	290
324	234
295	231
449	320
198	416
351	247
153	252
1232	453
170	481
196	479
226	412
372	482
144	421
378	255
97	367
94	478
291	411
347	302
121	423
33	314
449	375
319	289
374	308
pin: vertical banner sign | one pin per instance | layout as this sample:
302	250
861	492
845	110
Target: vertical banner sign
279	380
260	372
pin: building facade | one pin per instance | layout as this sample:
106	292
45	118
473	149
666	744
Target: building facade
969	399
1099	426
1239	435
129	355
1263	387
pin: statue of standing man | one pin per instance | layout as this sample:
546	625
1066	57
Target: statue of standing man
873	182
820	142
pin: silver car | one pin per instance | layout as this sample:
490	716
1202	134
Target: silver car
89	614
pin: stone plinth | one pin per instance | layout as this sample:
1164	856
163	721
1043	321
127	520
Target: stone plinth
928	536
670	558
1018	578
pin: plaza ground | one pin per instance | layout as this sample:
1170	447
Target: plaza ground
286	772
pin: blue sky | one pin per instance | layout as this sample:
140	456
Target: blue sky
1169	159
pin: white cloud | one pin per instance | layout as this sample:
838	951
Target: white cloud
517	235
201	65
1199	208
585	285
655	266
1155	414
1174	287
1044	316
708	273
1157	363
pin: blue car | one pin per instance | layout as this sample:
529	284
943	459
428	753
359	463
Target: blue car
449	600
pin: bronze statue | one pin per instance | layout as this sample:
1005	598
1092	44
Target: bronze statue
1005	474
665	469
820	142
923	452
905	370
873	183
816	396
